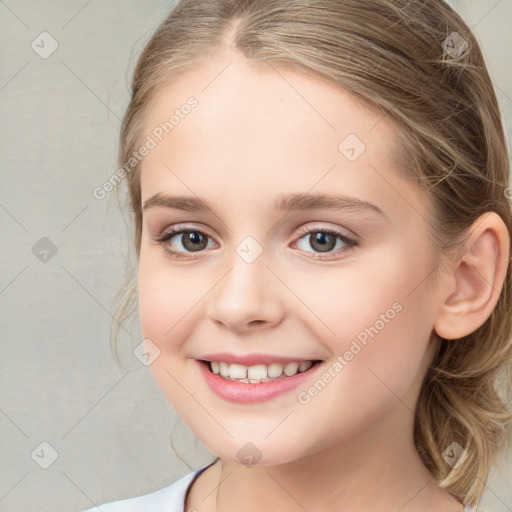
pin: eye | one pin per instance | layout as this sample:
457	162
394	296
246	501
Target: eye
323	240
179	241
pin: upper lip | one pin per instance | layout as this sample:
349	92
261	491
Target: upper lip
252	359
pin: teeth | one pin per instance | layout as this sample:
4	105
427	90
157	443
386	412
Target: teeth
224	369
291	369
238	371
306	365
259	372
275	370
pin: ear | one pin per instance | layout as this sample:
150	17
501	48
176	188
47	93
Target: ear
473	281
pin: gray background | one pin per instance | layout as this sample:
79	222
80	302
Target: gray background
110	426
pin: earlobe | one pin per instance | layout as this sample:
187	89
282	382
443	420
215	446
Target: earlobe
476	278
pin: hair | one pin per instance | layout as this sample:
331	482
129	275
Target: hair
393	55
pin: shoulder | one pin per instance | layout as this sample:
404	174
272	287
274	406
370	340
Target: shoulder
171	497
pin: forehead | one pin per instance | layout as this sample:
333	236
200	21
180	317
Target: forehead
264	99
260	128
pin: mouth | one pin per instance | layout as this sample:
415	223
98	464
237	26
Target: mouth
258	373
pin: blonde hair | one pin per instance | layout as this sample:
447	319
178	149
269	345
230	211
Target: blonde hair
420	64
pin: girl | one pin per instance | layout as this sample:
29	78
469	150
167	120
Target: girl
319	190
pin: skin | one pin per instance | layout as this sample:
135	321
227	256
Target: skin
251	138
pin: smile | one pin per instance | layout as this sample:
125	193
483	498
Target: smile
259	372
240	383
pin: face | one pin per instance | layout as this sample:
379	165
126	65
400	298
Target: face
255	280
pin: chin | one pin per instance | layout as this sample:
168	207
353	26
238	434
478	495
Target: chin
256	453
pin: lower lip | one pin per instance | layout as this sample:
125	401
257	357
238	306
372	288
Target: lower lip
241	392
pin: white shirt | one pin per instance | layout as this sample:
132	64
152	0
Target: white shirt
168	499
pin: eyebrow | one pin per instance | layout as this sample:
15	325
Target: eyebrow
283	203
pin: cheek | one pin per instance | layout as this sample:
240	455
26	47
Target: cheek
168	318
376	321
384	291
166	301
379	351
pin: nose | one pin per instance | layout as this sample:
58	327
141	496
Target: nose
248	296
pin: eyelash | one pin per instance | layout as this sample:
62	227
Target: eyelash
162	239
